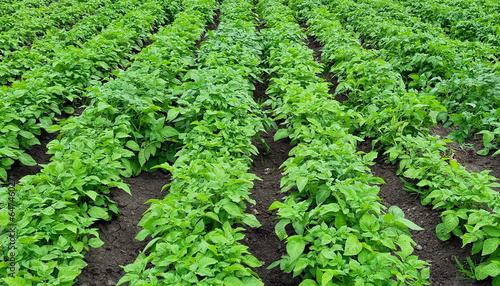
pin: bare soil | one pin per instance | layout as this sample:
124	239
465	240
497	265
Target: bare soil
120	246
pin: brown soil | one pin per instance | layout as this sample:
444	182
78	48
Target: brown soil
468	157
120	246
263	242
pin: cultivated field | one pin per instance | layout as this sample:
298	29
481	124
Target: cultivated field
240	142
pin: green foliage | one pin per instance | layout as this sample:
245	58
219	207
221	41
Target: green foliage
56	208
341	235
193	241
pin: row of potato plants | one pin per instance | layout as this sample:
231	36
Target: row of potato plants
193	238
342	234
400	120
16	63
460	74
56	208
23	11
472	23
34	103
61	14
10	7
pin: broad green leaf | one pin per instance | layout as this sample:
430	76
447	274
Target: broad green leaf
98	212
492	231
141	157
172	114
251	221
302	183
322	194
280	228
368	223
26	159
16	281
301	264
327	277
352	246
442	233
232	209
450	222
96	242
251	281
488	269
295	247
133	145
169	131
280	134
91	194
232	281
490	245
251	261
396	211
308	282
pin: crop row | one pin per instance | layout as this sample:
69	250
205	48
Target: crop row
33	104
56	208
193	239
10	7
399	120
458	73
342	234
475	22
16	63
60	15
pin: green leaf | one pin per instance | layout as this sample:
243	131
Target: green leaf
69	109
251	261
308	282
53	128
322	194
492	231
252	281
172	114
352	246
368	223
396	211
408	223
26	159
91	194
232	209
96	242
295	247
280	134
442	233
490	245
251	221
232	281
302	183
450	222
488	269
132	145
169	131
26	134
3	174
141	157
98	212
16	281
280	228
